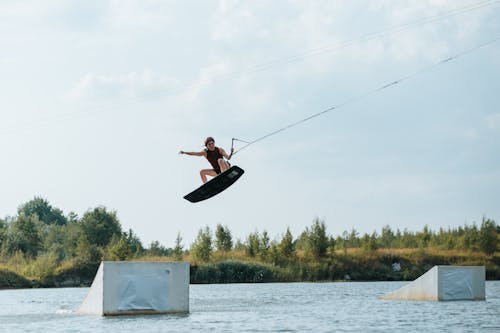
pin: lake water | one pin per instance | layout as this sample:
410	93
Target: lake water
273	307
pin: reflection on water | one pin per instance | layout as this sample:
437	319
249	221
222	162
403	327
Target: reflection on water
278	307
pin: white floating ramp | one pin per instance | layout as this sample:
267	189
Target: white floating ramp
444	283
125	288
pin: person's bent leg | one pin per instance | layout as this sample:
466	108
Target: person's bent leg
207	172
223	165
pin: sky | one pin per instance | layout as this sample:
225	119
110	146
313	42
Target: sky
98	97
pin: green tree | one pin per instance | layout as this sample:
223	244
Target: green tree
70	236
265	245
3	232
488	240
369	242
43	211
470	239
286	246
424	237
301	243
178	249
72	218
134	244
448	242
118	248
408	240
53	238
317	240
158	250
275	255
87	252
201	249
99	226
331	246
223	238
398	239
387	237
253	244
239	245
12	244
352	239
23	235
340	244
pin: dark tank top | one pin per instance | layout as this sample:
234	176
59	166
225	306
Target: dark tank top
213	156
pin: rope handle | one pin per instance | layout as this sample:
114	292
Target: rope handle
232	145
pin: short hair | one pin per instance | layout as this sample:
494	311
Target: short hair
207	140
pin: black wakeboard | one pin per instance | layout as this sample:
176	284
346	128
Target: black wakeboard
215	185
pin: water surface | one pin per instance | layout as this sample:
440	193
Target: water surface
269	307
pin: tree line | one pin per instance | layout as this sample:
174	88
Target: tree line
315	243
43	234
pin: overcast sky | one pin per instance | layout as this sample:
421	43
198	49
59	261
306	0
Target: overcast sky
98	97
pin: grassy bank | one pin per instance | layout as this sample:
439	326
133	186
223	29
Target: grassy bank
42	247
11	280
235	267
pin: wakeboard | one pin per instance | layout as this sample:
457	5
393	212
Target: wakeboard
215	185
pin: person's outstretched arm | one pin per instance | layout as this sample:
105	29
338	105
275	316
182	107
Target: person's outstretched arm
193	153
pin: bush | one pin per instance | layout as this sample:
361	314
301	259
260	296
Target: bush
42	269
75	274
9	279
236	272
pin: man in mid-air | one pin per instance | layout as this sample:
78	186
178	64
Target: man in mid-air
215	156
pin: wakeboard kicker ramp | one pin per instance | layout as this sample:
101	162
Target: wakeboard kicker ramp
128	288
444	283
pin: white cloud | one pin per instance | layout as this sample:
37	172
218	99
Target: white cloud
319	30
220	91
493	121
212	72
129	85
233	20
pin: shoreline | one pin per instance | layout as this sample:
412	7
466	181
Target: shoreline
382	265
